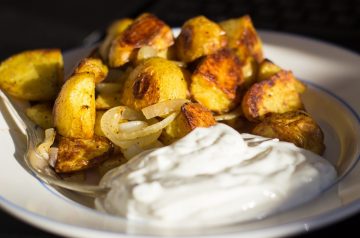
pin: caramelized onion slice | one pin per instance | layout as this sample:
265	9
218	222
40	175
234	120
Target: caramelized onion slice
163	108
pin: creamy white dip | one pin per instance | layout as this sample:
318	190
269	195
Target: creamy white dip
214	176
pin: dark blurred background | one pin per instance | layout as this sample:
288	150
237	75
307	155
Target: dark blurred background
69	24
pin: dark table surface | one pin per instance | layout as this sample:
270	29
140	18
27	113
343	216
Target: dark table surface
69	24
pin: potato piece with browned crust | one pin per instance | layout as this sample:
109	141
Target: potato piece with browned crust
198	37
152	81
41	114
243	38
278	94
267	69
191	115
115	29
74	109
215	81
33	75
95	66
296	127
78	154
146	30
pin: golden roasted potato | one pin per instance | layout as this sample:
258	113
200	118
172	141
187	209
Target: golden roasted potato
146	30
191	115
95	66
152	81
107	101
97	128
33	75
41	114
198	37
215	81
113	30
296	127
243	38
278	94
267	69
74	109
76	154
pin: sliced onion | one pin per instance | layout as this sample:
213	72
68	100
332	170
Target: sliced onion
229	116
132	126
110	127
43	148
53	154
132	151
163	108
143	142
108	88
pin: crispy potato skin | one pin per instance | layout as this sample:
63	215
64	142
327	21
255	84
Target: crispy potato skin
243	37
146	30
95	66
41	115
115	29
74	109
192	115
78	154
33	75
154	80
267	69
198	37
215	81
278	94
296	127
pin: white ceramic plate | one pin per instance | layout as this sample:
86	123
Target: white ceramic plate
333	76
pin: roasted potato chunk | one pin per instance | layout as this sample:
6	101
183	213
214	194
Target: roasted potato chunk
154	80
198	37
74	109
243	38
267	69
191	115
296	127
41	114
95	66
113	30
97	128
278	94
215	81
107	101
146	30
78	154
33	75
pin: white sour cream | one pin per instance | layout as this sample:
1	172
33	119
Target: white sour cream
214	176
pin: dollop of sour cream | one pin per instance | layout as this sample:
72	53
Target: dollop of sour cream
214	176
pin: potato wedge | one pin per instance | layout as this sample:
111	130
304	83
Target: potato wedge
33	75
278	94
95	66
215	81
267	69
191	115
76	154
243	38
154	80
146	30
41	114
198	37
74	109
296	127
115	29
